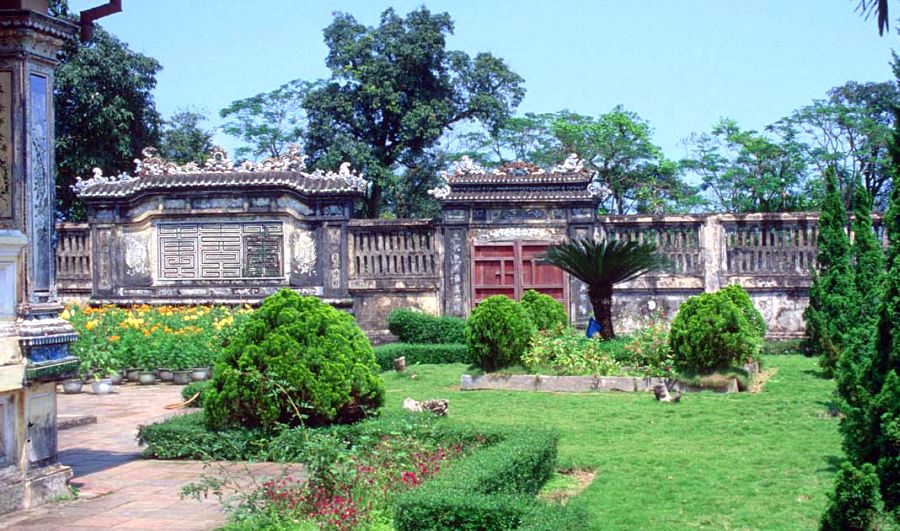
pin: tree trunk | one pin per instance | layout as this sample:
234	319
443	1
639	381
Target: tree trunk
601	300
373	203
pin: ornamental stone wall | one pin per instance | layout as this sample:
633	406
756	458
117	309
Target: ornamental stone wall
414	263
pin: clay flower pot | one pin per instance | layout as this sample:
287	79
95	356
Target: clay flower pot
132	374
72	386
181	377
199	374
147	377
117	378
102	387
165	375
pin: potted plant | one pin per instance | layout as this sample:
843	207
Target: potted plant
72	386
146	362
101	386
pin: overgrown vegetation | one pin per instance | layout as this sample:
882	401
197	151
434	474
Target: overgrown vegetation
296	360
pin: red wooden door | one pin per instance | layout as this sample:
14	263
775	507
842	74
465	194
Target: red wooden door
511	268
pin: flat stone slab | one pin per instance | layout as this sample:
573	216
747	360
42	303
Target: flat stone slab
65	422
581	384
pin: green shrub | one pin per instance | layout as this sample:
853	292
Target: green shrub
742	300
411	326
494	488
193	388
710	333
855	503
188	437
296	360
418	353
497	333
545	312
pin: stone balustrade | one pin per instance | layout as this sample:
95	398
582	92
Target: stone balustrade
73	260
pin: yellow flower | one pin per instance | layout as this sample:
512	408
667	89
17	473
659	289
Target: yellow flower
65	314
113	339
90	325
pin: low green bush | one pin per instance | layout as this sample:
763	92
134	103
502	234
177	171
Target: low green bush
711	333
417	353
494	488
411	326
497	333
189	390
188	437
296	360
856	500
741	299
545	312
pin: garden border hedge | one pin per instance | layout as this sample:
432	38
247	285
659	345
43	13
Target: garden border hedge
437	353
494	488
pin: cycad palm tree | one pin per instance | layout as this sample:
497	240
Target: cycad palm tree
601	265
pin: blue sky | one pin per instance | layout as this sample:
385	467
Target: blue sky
680	64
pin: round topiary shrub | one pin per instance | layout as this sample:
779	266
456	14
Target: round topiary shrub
710	333
739	297
545	312
497	333
295	361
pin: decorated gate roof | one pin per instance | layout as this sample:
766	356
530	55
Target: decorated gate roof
467	182
155	174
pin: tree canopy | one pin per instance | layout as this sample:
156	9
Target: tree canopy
183	140
105	112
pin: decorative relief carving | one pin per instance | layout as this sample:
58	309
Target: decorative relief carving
304	249
228	250
572	164
41	186
334	249
136	254
518	233
5	146
218	162
456	254
519	169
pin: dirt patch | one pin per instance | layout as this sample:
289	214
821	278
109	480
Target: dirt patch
570	483
759	381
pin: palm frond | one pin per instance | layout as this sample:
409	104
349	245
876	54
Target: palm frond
605	262
880	8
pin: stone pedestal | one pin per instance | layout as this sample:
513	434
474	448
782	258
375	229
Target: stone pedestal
34	341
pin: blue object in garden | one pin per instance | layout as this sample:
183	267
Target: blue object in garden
593	328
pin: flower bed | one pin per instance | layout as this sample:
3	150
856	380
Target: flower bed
357	473
173	337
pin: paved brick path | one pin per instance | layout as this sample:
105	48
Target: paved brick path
118	489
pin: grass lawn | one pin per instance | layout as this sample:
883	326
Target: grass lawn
742	461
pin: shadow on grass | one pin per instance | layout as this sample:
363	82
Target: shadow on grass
834	464
832	406
817	373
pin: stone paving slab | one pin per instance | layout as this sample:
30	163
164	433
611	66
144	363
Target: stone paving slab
119	489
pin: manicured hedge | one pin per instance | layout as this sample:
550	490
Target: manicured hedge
494	488
419	353
411	326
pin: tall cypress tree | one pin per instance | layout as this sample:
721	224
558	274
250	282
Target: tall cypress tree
832	297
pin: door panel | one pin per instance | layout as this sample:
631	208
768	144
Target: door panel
510	269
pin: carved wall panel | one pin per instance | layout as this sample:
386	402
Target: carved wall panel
215	251
6	144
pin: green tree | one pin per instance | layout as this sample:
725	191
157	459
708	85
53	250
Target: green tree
269	121
105	113
746	171
850	131
832	296
527	138
602	265
618	146
183	140
394	91
868	258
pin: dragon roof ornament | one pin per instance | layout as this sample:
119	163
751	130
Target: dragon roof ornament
292	161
